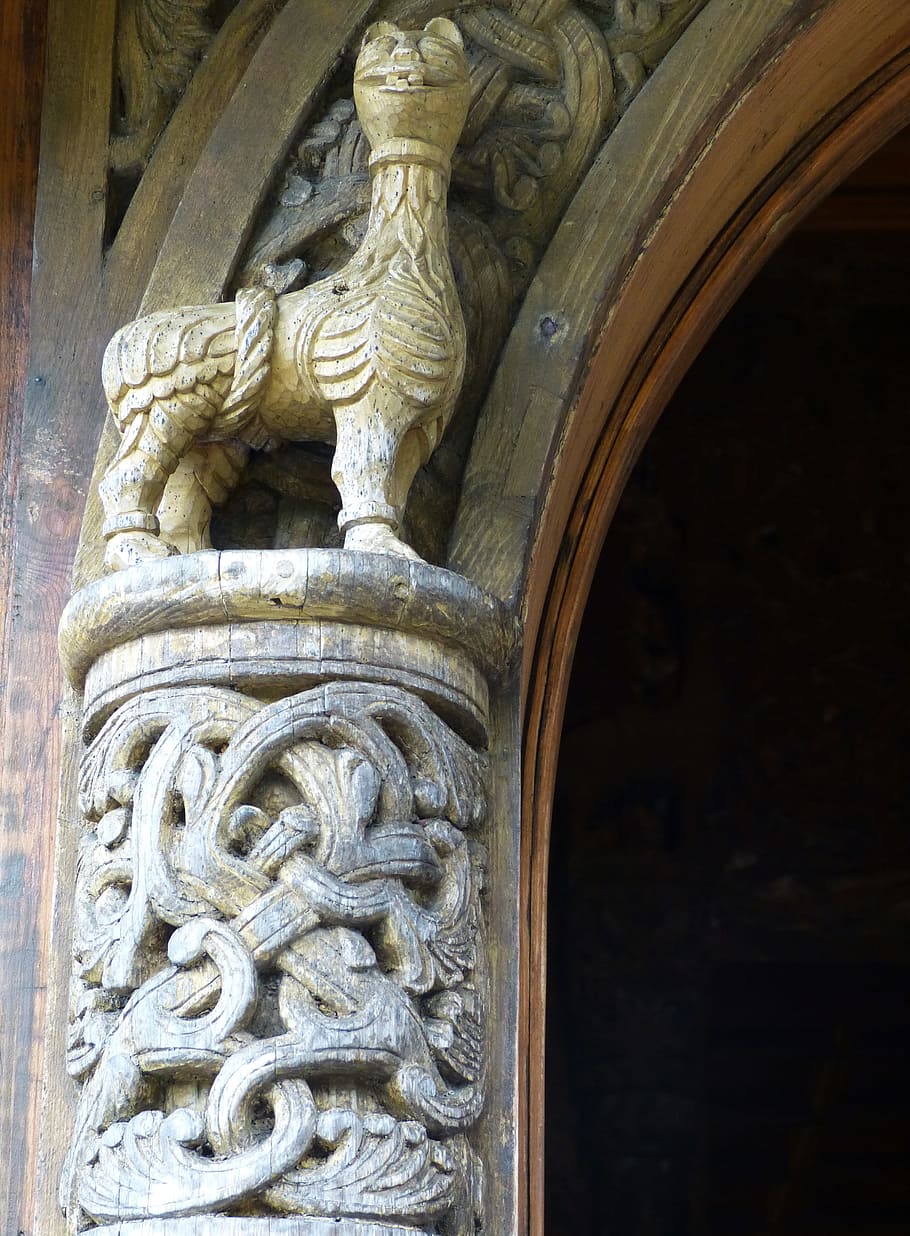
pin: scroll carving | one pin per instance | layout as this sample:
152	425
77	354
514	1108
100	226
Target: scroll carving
158	46
280	997
547	82
280	1007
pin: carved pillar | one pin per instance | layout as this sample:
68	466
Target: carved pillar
292	842
279	1010
280	993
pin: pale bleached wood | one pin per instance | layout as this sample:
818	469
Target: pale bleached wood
370	359
277	904
170	256
285	585
332	836
497	549
201	1225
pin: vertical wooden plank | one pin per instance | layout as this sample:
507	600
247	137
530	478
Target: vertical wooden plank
47	455
22	35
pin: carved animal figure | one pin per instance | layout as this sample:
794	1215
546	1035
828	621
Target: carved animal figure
371	358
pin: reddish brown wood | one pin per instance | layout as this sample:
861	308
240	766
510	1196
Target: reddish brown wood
23	852
876	198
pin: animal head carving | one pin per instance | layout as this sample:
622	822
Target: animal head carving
412	85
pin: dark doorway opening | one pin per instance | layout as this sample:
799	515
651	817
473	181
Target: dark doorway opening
729	912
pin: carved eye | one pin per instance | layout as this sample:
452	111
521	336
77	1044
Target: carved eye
442	28
378	30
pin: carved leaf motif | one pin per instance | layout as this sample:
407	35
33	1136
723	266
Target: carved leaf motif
390	1167
639	33
147	1167
325	186
387	338
548	81
158	46
167	354
513	40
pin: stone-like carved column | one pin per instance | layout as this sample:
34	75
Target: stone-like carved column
279	1005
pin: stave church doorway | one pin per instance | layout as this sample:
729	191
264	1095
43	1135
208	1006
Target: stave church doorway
729	895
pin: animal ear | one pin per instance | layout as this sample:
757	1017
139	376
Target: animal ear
442	28
377	30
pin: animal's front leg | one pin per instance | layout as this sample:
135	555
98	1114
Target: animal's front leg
377	455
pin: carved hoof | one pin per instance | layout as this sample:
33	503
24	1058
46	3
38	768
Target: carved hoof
378	539
126	549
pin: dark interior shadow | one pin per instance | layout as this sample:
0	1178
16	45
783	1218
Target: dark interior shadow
729	914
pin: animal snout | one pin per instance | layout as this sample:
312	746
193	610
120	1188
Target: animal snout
405	51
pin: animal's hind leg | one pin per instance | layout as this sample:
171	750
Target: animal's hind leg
132	487
376	458
204	478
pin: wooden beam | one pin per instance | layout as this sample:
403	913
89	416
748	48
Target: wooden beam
23	850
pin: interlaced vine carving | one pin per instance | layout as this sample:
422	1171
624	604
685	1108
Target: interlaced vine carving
159	43
158	47
280	994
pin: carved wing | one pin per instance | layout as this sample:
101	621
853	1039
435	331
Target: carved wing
168	354
388	334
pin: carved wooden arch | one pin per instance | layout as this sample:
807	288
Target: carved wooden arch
601	339
674	219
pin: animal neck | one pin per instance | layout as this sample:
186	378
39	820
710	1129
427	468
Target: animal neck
408	207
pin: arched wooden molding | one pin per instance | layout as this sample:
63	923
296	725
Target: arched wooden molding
736	121
679	212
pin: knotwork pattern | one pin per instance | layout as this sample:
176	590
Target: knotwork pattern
279	997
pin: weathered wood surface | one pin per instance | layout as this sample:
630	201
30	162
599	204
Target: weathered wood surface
326	832
243	586
161	259
687	148
27	734
370	359
333	838
66	354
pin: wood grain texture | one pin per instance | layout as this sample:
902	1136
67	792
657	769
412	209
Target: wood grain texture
24	853
699	146
63	417
376	823
876	198
247	586
676	195
331	362
44	514
686	147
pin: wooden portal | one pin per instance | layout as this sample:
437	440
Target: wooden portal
619	216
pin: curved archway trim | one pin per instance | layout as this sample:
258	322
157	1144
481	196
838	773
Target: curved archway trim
622	406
